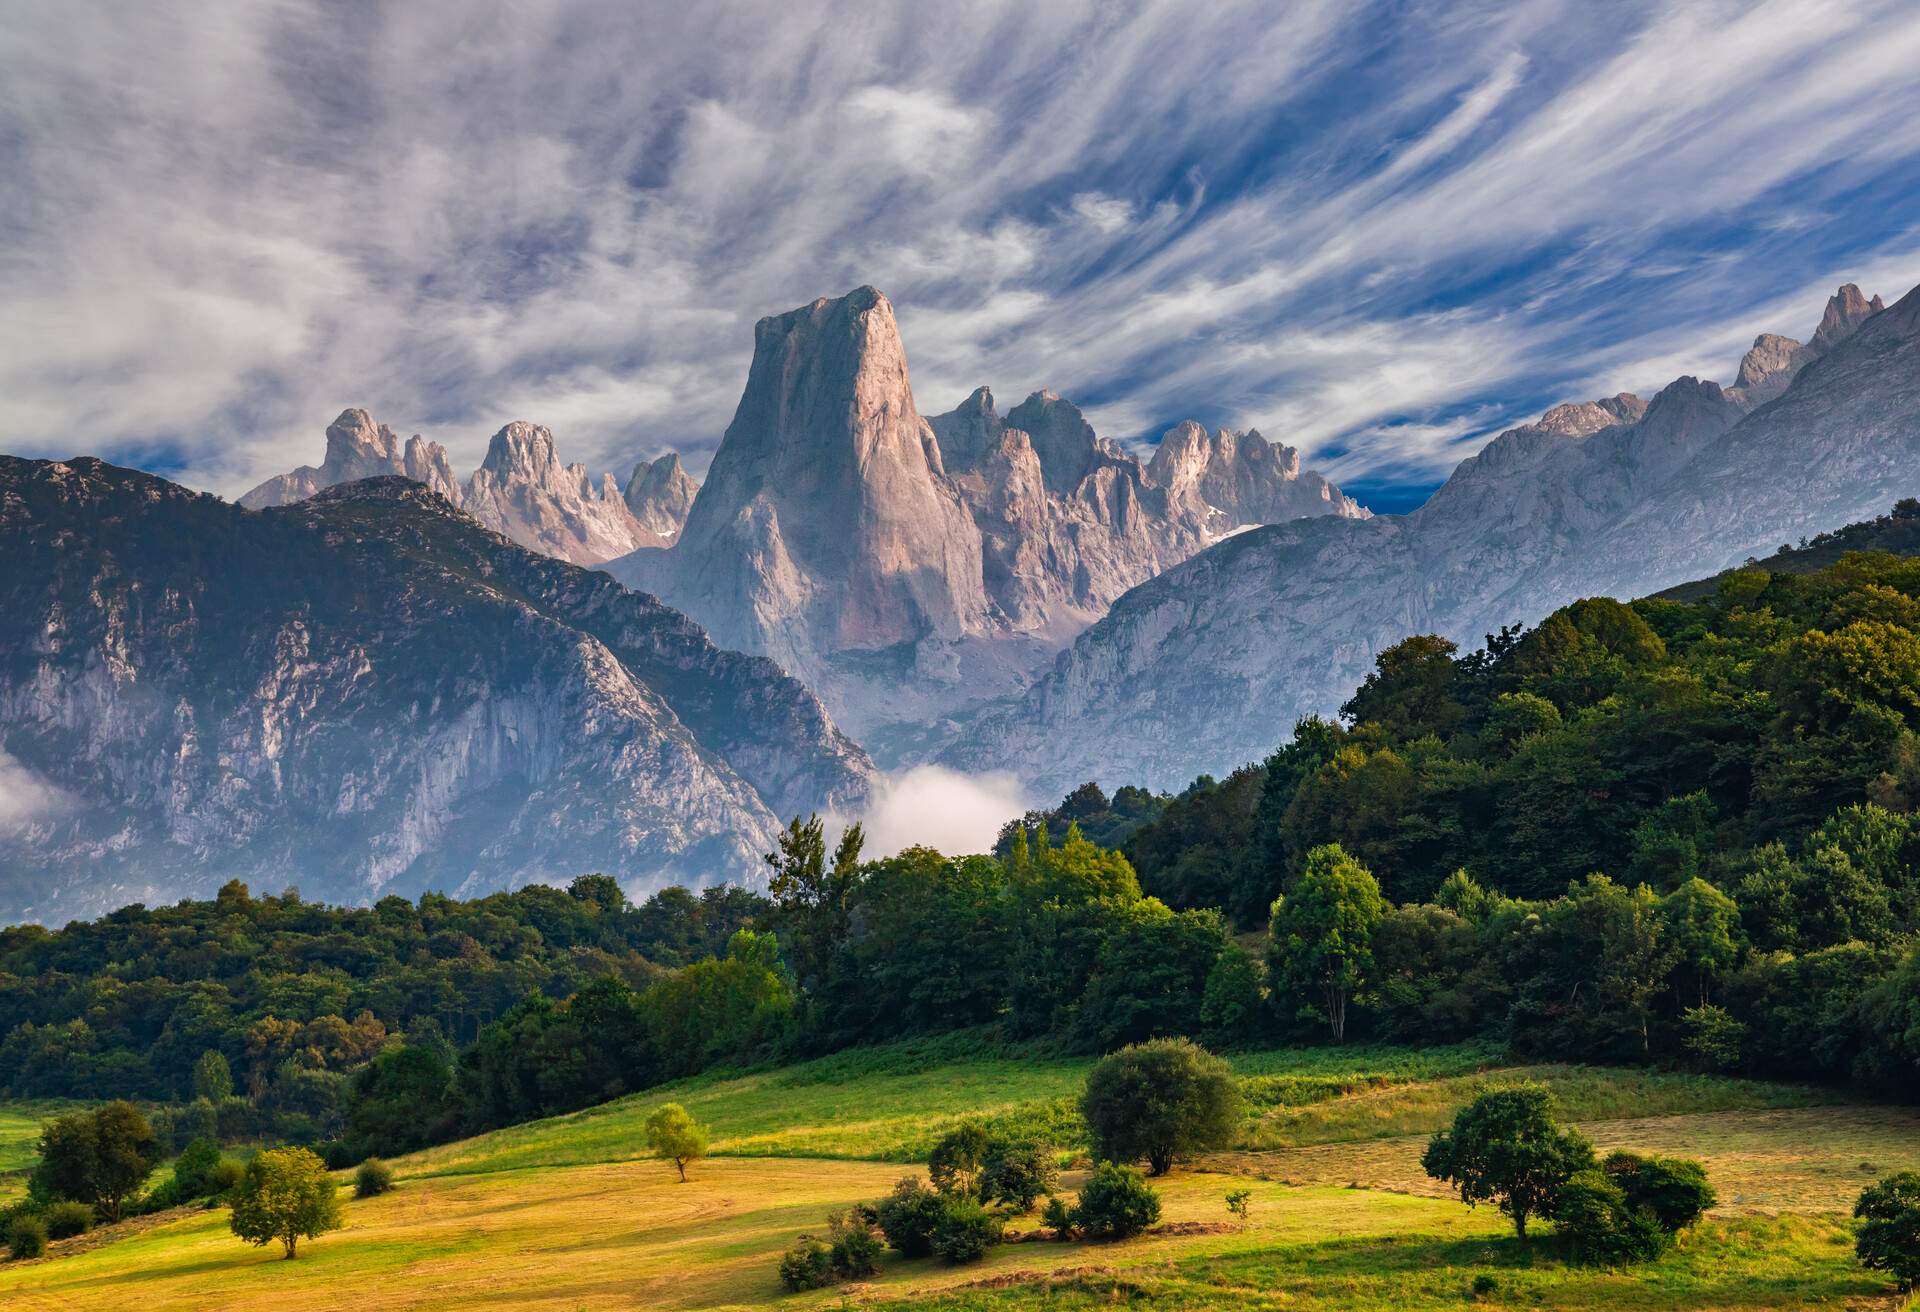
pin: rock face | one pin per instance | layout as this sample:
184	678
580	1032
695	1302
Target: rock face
660	493
907	567
1208	666
521	489
364	692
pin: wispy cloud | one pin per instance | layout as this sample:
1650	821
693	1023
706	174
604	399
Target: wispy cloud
1377	233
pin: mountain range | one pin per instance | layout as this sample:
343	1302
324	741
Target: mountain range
365	692
521	490
1208	665
910	568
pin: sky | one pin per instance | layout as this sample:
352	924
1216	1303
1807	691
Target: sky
1378	232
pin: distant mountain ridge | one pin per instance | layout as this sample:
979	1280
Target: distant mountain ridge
1208	665
365	692
907	567
520	490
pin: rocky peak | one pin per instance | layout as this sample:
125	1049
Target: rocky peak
660	493
357	448
1847	309
1770	357
1062	438
968	432
523	452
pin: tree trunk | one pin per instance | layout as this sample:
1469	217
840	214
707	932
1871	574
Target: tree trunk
681	1162
1520	1225
291	1241
1159	1161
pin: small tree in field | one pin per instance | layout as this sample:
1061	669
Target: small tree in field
1320	937
1505	1148
1160	1100
101	1156
285	1195
1889	1238
674	1136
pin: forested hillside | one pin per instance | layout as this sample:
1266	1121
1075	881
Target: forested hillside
1672	831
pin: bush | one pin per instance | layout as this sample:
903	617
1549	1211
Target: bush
1889	1237
1599	1227
226	1176
194	1171
373	1178
1672	1190
65	1220
1712	1037
807	1265
27	1237
855	1249
1057	1216
1116	1202
1017	1175
908	1215
1160	1101
1240	1203
965	1231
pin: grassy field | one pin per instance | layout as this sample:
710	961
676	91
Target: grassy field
19	1135
563	1214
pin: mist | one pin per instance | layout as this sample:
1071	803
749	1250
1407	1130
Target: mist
932	806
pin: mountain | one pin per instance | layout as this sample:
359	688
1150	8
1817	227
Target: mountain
1208	665
364	692
520	490
908	568
660	493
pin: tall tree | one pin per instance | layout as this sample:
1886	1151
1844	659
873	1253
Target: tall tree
1320	939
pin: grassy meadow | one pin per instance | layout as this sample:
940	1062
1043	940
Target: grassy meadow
568	1213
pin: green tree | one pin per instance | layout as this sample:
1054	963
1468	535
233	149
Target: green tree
101	1157
1703	926
1320	938
285	1195
1889	1235
810	896
1413	690
1161	1101
212	1078
196	1170
1505	1148
954	1163
674	1136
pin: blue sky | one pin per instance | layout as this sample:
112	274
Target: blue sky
1381	233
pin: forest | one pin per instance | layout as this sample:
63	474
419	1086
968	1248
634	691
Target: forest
1679	831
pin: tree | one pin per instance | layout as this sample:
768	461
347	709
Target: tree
1889	1238
674	1136
285	1195
1505	1148
1160	1101
100	1157
1703	924
196	1170
1115	1203
212	1077
1412	692
1320	937
1017	1173
810	897
954	1164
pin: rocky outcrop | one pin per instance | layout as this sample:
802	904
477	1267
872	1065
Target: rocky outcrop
1770	366
357	448
1208	665
908	568
521	489
365	692
660	493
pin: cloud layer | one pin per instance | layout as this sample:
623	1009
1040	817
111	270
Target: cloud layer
1379	232
932	806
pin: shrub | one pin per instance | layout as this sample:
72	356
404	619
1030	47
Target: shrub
27	1237
1240	1203
674	1136
1057	1216
226	1177
65	1220
1672	1190
373	1178
1017	1174
1597	1224
1484	1284
854	1248
955	1162
1889	1237
964	1231
807	1265
908	1215
194	1171
1505	1148
1160	1101
285	1194
1115	1203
